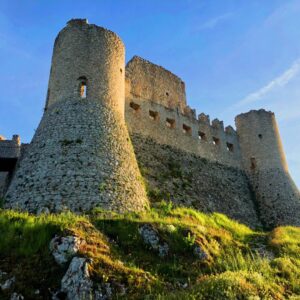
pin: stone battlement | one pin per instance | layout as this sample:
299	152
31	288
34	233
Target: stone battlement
10	148
171	127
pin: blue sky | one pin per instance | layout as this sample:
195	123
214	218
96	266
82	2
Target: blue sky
234	55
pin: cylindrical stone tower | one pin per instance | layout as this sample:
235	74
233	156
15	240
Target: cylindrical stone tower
263	157
81	155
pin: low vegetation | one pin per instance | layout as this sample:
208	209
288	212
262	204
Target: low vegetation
236	262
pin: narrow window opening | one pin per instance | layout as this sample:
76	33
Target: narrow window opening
153	115
136	107
167	94
253	163
216	141
186	129
260	136
170	123
229	147
83	90
202	136
121	71
82	87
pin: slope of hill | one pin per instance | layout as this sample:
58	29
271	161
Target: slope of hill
165	253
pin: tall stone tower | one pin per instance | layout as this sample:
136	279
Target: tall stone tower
81	155
265	163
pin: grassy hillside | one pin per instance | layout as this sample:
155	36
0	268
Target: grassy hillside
207	257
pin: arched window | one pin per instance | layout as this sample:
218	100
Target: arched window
82	87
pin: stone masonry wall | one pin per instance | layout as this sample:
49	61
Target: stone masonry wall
80	157
3	176
264	161
186	133
192	181
148	81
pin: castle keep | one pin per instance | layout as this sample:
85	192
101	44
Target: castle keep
105	126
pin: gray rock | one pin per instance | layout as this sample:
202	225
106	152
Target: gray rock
151	238
200	253
8	283
2	274
16	296
43	210
76	283
64	248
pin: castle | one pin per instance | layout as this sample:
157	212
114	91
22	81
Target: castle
108	128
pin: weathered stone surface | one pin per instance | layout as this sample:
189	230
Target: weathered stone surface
149	81
16	296
200	253
64	248
77	283
8	283
264	161
151	238
81	156
189	180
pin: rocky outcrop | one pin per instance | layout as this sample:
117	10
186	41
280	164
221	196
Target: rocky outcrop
151	238
77	283
64	248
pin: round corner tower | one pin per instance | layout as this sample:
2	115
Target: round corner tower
81	156
264	161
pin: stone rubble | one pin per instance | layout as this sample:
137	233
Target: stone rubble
16	296
8	283
151	238
64	248
200	253
77	283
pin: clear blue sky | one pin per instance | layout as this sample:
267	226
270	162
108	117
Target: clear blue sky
234	55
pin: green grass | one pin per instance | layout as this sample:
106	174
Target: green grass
233	268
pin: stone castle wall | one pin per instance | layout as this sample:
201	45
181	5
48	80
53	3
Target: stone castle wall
148	81
150	115
10	151
81	156
192	181
265	163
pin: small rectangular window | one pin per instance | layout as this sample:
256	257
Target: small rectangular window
170	123
253	163
202	136
229	147
216	141
153	115
136	107
83	90
186	129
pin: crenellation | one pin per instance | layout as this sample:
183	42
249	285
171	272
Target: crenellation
216	123
80	22
174	128
203	118
230	130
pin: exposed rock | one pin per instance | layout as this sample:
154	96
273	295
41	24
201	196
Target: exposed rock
2	274
8	283
64	248
151	238
16	296
43	210
200	253
103	292
77	283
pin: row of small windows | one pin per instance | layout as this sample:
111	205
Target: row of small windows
170	123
